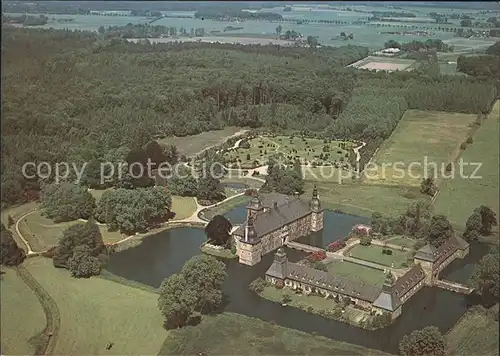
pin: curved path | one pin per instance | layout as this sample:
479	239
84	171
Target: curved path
18	232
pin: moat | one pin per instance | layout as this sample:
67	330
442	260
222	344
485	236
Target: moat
163	254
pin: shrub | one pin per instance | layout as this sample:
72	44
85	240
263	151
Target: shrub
463	146
448	167
233	249
469	139
286	298
317	256
258	285
387	251
336	245
365	241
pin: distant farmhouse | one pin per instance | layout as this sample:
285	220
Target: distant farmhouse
274	219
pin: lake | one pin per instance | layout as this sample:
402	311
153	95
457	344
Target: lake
164	254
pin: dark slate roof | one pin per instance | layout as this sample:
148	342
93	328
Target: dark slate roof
276	270
391	299
447	248
427	253
268	200
323	280
268	221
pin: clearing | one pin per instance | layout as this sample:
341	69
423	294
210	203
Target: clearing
96	311
183	207
22	315
372	253
421	138
307	150
361	273
250	336
194	144
459	196
476	333
388	64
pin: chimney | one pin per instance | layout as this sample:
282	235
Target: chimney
275	205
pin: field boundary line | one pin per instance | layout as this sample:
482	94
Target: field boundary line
52	314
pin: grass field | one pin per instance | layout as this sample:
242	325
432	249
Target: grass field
183	207
96	311
191	145
250	336
250	182
374	254
360	273
225	207
43	233
459	196
475	334
22	315
401	241
420	135
365	199
384	63
307	150
328	174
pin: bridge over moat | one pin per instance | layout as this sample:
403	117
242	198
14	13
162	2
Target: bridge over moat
453	286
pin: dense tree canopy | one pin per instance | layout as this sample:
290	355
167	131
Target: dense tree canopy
218	230
486	277
66	202
10	253
439	230
425	342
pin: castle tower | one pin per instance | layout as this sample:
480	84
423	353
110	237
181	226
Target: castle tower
250	246
388	283
254	207
316	211
277	272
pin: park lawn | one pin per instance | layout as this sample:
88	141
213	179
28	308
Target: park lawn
328	174
261	148
249	182
374	254
193	144
459	196
251	336
365	199
474	334
357	272
22	315
432	135
96	311
183	207
401	241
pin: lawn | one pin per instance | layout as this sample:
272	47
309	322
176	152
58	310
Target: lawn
96	311
225	207
401	241
308	150
365	199
475	334
42	233
191	145
249	182
374	254
251	336
328	174
22	315
459	196
183	207
421	137
360	273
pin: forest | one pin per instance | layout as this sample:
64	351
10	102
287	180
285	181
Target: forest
74	97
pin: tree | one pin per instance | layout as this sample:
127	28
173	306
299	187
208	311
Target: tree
155	153
425	342
473	227
392	44
440	230
82	264
66	202
428	186
218	230
279	29
466	23
184	183
365	241
488	219
210	188
101	30
10	253
204	275
176	301
485	278
312	41
10	221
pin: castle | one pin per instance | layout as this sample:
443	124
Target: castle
428	262
274	219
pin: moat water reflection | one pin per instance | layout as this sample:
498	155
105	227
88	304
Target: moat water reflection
165	253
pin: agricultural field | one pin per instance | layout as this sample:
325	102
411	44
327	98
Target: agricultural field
420	137
307	150
361	273
42	233
459	196
250	336
365	199
476	333
388	64
22	316
96	311
183	207
374	254
193	144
